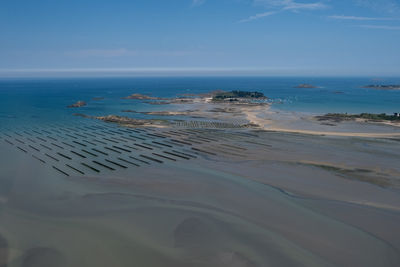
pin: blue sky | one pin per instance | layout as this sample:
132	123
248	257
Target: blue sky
260	37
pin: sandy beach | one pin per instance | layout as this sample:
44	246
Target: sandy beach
269	120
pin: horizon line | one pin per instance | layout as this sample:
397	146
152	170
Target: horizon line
189	71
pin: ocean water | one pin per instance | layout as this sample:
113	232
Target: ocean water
31	101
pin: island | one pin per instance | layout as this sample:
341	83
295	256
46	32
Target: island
339	117
143	97
159	113
237	96
216	109
383	87
305	85
78	104
238	109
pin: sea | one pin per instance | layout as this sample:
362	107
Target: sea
44	100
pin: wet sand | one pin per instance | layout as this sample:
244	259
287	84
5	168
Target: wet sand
298	123
3	251
261	116
221	197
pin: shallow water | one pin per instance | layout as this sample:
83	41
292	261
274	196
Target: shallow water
34	101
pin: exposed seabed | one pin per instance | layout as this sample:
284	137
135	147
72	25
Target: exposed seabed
95	194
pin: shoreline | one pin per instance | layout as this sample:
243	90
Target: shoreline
262	117
253	115
267	124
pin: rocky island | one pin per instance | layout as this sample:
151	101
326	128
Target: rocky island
339	117
124	121
216	109
78	104
238	96
160	113
143	97
247	109
305	85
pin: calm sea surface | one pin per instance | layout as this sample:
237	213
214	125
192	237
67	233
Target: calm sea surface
32	101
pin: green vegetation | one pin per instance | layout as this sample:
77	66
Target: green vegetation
382	116
368	116
232	95
384	87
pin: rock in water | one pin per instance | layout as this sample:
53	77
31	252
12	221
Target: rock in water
78	104
305	85
143	97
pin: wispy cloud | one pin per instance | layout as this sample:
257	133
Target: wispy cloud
281	6
198	2
291	4
355	18
388	6
123	52
381	27
258	16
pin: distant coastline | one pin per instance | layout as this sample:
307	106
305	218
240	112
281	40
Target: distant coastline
383	87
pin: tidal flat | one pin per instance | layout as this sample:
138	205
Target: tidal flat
197	197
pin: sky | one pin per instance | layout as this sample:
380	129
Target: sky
237	37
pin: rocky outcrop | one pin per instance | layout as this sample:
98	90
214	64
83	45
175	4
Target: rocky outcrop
122	120
78	104
305	85
238	95
339	117
143	97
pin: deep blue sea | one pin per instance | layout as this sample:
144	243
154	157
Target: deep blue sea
30	101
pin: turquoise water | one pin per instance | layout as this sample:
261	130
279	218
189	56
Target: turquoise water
30	101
